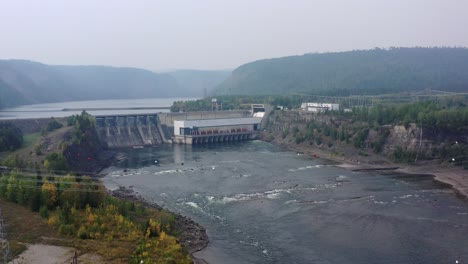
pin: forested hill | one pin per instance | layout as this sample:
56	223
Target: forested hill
376	71
27	82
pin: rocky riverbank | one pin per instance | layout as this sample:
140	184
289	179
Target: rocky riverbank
352	159
192	236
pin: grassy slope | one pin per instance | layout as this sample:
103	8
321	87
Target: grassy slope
26	227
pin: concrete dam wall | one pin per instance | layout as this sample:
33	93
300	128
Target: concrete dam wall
128	130
122	131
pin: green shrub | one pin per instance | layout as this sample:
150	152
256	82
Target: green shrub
285	133
44	212
318	140
55	162
11	137
38	149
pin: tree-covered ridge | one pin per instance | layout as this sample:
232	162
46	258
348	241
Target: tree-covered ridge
369	72
28	82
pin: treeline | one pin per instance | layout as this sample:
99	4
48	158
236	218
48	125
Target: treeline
237	102
359	72
428	113
49	192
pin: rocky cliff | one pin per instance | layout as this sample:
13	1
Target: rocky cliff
339	137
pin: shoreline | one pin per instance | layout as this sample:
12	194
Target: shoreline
454	177
195	239
193	236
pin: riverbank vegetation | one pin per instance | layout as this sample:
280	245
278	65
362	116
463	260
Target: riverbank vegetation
403	132
78	207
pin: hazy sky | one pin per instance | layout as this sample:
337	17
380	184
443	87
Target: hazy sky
218	34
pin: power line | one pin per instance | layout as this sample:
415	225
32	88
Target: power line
58	188
57	173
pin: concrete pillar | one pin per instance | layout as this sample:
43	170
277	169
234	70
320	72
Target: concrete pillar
106	123
148	125
127	124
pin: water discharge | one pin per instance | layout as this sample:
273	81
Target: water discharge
261	204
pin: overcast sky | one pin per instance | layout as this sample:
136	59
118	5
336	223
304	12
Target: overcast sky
218	34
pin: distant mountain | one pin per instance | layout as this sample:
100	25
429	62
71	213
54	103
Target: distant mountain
196	82
26	82
376	71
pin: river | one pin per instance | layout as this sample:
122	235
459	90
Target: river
262	204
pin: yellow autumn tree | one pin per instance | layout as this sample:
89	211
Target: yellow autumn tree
50	194
154	228
70	190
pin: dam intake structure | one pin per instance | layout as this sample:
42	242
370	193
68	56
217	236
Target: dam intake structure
120	131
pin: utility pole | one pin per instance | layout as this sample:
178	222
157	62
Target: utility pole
420	142
3	240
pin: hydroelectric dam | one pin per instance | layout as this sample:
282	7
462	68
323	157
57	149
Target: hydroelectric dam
152	129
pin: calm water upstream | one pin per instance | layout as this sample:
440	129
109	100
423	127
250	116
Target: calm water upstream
56	109
262	204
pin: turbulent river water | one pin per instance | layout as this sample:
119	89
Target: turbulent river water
262	204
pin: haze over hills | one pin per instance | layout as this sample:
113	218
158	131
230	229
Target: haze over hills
28	82
376	71
362	72
195	82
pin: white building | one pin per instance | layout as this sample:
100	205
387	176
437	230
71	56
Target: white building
319	107
258	110
215	130
215	126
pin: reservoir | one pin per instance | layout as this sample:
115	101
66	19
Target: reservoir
64	109
263	204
